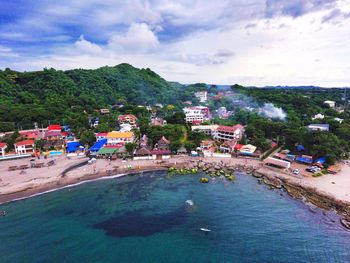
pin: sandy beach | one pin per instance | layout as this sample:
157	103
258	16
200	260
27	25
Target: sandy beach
16	184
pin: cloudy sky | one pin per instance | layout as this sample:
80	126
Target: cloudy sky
251	42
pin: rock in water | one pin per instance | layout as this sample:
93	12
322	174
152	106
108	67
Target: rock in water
345	223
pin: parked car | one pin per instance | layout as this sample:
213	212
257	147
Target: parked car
92	160
296	171
313	169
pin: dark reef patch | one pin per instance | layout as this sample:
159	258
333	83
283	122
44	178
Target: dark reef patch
137	223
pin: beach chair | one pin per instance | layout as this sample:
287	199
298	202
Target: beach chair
13	168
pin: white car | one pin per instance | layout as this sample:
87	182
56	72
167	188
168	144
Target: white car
92	160
296	171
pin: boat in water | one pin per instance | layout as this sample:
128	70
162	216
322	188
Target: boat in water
189	202
205	229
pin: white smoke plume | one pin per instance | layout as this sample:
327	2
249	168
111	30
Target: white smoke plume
271	111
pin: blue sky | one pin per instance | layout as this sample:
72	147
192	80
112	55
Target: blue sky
252	42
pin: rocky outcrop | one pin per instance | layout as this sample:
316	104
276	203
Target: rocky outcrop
308	194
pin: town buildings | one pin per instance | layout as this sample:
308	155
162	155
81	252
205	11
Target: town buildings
156	121
318	116
162	144
115	137
318	127
128	119
101	136
223	113
330	103
196	115
207	145
144	141
227	133
104	111
206	129
228	146
202	96
25	147
3	147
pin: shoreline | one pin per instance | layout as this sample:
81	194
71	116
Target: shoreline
65	183
298	188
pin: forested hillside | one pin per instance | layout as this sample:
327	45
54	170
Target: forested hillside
54	95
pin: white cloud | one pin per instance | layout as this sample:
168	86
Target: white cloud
85	46
251	42
138	37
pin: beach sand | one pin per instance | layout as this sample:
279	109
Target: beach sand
15	185
337	185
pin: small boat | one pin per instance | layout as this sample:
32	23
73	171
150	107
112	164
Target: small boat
205	229
189	202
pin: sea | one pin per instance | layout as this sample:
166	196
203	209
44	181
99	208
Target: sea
157	217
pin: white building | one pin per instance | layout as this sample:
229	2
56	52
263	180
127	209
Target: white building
318	116
116	137
227	133
209	130
202	96
125	127
197	115
339	120
3	147
24	147
194	115
318	127
330	103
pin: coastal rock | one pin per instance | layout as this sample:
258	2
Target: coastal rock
345	223
257	174
273	182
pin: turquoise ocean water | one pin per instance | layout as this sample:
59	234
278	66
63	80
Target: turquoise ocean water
146	219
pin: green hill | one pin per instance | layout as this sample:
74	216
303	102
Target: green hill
27	97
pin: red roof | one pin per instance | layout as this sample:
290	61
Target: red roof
230	128
25	142
101	134
238	146
196	122
114	146
53	133
127	116
30	134
54	127
2	144
231	143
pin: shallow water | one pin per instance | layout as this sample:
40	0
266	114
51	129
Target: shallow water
146	219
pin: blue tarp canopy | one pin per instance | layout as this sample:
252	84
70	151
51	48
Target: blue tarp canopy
300	148
321	160
72	147
304	160
66	128
98	145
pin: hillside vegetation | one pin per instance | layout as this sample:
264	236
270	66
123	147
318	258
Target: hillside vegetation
55	95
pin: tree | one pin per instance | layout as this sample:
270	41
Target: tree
174	146
189	146
87	137
102	127
170	108
130	148
176	118
196	137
